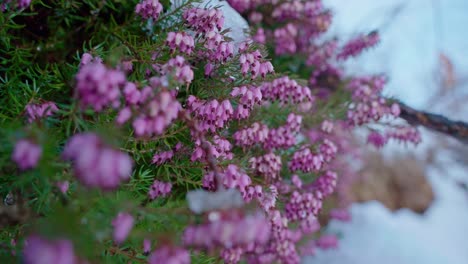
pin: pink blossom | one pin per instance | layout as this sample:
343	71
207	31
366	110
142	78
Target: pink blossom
38	250
159	189
26	154
123	224
180	41
267	166
98	87
63	186
149	9
169	255
38	111
376	139
327	242
357	45
96	164
146	246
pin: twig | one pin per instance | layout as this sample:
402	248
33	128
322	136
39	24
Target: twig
439	123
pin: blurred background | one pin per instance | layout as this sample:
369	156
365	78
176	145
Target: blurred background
411	205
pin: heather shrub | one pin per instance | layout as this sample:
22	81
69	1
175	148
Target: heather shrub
141	132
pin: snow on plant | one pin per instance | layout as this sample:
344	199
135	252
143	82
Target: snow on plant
152	129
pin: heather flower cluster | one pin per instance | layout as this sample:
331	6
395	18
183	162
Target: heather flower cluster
149	9
210	139
39	111
96	164
99	87
26	154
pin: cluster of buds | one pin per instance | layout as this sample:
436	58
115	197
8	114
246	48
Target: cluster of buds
284	136
286	91
39	111
227	230
210	114
255	134
149	9
219	50
99	87
306	161
249	96
26	154
159	189
252	62
162	157
169	254
180	41
325	185
96	164
285	39
301	205
357	45
404	134
204	21
267	166
178	69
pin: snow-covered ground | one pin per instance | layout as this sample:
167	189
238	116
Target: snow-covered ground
411	42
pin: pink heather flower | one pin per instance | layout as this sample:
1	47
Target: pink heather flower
395	110
376	139
123	224
219	149
180	41
268	200
149	9
218	49
356	46
320	55
405	134
98	87
204	20
38	250
38	111
285	42
286	91
302	205
159	189
247	137
157	115
209	68
328	149
255	17
252	192
267	166
146	246
260	36
228	231
96	164
310	225
87	58
296	181
327	242
179	70
325	184
169	255
327	126
284	136
63	186
26	154
306	161
162	157
253	63
340	214
211	115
